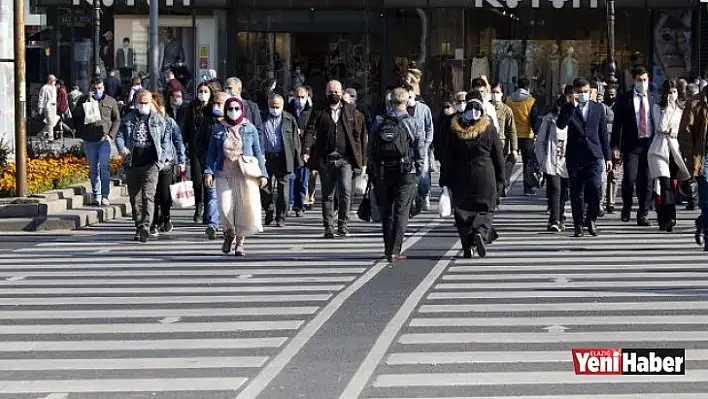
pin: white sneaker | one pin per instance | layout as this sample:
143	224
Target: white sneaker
105	202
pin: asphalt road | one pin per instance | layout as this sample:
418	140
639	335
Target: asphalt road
93	315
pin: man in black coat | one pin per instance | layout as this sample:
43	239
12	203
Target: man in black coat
632	132
587	154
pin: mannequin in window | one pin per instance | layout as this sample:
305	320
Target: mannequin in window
508	72
172	49
553	85
569	67
480	66
125	60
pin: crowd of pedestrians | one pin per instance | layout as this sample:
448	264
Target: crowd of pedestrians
249	158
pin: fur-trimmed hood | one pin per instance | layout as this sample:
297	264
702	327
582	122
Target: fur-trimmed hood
471	132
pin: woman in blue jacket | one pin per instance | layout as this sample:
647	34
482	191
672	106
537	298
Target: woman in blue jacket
236	166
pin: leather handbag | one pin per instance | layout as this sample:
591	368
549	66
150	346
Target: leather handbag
249	166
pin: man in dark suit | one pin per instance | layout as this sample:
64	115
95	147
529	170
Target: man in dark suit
335	146
587	154
300	108
632	133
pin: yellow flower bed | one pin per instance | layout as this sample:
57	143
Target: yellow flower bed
49	173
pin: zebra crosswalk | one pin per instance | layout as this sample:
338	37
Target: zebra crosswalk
504	326
96	315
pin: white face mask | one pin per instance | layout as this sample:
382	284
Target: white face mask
234	114
497	97
411	100
673	97
449	111
641	87
584	97
461	107
203	97
144	109
178	102
276	111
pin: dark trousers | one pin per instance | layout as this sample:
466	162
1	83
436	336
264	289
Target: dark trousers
557	192
395	195
527	156
163	197
336	176
666	202
142	184
470	222
509	163
636	175
585	186
197	175
276	197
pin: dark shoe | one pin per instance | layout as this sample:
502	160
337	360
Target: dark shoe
211	232
154	232
610	209
329	233
467	253
592	229
136	236
479	247
342	231
642	221
698	235
298	213
228	242
626	215
690	206
579	231
198	213
670	225
143	234
601	213
167	226
308	207
554	227
269	217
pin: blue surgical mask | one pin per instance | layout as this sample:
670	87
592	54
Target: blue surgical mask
217	111
583	98
471	115
97	94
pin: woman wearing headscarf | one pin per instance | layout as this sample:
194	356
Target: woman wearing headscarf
473	170
666	165
236	166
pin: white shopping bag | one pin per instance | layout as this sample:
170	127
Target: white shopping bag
360	183
445	204
92	113
183	194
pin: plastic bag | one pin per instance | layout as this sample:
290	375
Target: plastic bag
183	194
92	113
445	204
360	183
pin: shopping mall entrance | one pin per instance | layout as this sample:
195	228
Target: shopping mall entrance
351	55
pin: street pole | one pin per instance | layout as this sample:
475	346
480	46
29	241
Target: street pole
96	39
612	65
20	101
154	58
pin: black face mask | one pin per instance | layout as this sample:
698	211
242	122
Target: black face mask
334	98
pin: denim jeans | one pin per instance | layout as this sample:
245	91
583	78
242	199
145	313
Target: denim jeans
299	181
98	156
211	207
702	181
424	181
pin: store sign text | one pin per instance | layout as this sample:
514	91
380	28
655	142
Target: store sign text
131	3
535	3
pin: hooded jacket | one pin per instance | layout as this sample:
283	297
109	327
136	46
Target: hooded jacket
525	110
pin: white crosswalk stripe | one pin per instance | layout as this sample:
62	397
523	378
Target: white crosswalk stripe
504	326
106	316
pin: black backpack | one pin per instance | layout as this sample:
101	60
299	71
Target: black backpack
393	145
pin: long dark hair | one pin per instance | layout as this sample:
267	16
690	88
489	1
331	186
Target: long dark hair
665	88
199	108
560	102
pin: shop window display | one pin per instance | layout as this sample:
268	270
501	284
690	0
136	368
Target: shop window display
672	58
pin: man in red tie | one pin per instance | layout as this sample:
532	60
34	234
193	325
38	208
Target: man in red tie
632	132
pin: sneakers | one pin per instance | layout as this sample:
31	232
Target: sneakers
154	232
479	246
211	232
240	251
329	233
167	226
105	202
554	227
142	234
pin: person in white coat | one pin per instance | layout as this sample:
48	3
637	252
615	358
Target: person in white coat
666	165
47	107
549	151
